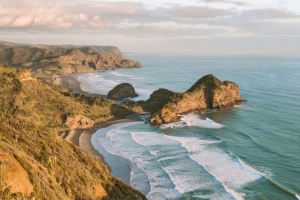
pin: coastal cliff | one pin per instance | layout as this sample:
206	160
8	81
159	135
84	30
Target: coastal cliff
35	162
83	48
45	60
207	93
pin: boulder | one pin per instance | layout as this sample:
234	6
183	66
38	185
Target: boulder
78	122
122	91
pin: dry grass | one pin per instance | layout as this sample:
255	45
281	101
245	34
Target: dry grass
31	153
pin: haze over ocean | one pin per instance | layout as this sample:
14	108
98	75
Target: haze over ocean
250	151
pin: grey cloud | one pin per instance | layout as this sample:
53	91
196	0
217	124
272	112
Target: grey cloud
135	20
238	3
197	12
67	14
262	14
92	14
152	31
267	28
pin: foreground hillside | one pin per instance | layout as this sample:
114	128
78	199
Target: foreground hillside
37	164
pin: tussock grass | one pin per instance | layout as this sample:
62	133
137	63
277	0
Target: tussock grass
31	116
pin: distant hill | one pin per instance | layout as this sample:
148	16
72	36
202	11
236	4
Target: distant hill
44	60
35	162
84	48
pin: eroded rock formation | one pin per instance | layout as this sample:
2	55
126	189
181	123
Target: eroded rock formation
207	93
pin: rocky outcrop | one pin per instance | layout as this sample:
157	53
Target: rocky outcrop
122	91
125	63
78	122
207	93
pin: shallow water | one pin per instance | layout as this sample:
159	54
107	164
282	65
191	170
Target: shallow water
248	152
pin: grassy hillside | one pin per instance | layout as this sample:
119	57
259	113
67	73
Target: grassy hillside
25	97
37	164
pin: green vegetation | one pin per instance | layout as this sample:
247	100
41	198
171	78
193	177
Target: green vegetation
207	93
121	91
156	101
37	164
48	105
208	80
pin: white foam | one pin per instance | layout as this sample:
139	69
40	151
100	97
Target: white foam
95	83
144	165
186	174
145	117
134	78
143	94
193	120
234	194
162	169
119	74
230	172
250	168
298	196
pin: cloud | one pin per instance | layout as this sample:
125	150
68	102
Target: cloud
138	21
66	14
238	3
197	12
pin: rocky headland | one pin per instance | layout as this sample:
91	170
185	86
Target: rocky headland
45	61
122	91
207	93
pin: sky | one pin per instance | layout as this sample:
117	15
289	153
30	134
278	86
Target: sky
201	26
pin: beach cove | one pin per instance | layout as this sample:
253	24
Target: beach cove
240	144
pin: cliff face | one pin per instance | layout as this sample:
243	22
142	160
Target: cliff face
122	91
55	60
207	93
83	48
35	162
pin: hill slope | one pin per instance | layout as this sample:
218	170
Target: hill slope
34	161
49	60
84	48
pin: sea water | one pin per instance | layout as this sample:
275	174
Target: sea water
251	151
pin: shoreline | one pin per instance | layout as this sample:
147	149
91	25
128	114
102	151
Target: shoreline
66	81
119	166
82	139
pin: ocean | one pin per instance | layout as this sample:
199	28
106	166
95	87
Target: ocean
251	151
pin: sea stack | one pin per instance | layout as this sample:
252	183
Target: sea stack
122	91
207	93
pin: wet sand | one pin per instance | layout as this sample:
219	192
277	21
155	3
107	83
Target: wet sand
120	167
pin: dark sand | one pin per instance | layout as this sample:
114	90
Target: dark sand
120	167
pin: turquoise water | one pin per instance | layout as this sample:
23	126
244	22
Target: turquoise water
248	152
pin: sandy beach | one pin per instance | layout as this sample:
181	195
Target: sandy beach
119	167
82	139
68	81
